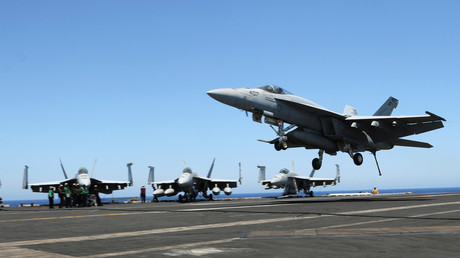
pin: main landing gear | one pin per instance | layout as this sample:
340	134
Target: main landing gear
187	197
317	162
358	159
281	144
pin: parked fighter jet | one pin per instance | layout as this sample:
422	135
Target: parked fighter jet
191	184
315	127
293	183
82	178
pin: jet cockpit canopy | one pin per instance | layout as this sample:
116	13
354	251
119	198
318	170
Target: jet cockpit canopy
275	89
187	170
82	171
284	171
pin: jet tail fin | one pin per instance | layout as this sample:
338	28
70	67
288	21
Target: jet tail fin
211	168
240	179
151	175
261	174
130	174
337	176
387	108
25	180
63	169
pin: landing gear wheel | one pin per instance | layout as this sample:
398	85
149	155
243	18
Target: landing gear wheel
311	194
316	163
180	198
358	159
284	145
277	146
210	197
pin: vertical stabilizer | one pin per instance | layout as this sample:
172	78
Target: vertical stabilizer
240	179
63	169
25	180
293	166
211	168
130	174
337	176
261	174
94	166
151	175
387	108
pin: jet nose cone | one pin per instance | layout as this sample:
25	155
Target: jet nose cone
217	93
222	95
226	96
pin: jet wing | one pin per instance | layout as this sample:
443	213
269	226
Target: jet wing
399	126
430	117
45	187
108	186
303	182
266	182
322	181
166	185
222	183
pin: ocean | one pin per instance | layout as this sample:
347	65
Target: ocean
267	194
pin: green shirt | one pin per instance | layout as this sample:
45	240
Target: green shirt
84	190
51	193
66	190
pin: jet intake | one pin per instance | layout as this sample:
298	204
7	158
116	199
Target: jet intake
227	190
159	193
313	140
169	192
216	190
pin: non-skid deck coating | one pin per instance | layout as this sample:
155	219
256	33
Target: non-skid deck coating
407	225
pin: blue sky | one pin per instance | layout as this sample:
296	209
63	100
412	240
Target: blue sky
126	81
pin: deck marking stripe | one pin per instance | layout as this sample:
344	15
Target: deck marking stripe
75	216
164	248
316	231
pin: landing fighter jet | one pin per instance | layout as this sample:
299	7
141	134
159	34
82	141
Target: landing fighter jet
315	127
293	183
191	184
82	178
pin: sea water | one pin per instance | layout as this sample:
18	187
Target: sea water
267	194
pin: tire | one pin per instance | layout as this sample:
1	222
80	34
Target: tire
316	163
358	159
277	146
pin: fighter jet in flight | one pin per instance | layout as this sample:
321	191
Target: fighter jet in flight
81	178
191	184
314	127
294	183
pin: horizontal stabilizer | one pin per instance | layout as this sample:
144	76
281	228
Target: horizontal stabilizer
409	143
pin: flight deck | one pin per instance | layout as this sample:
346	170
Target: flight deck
378	225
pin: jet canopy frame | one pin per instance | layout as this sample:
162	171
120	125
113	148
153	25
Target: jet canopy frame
275	89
